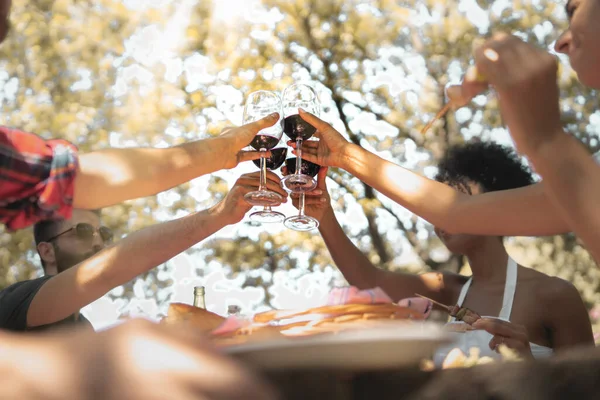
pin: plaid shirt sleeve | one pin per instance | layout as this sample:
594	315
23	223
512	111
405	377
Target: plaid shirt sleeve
36	178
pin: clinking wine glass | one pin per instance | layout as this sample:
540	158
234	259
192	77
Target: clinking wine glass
273	162
295	97
301	222
259	105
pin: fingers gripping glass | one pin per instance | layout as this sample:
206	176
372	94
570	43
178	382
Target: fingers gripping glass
295	97
273	162
87	231
302	222
259	105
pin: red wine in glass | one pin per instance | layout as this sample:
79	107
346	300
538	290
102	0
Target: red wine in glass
273	162
296	97
265	142
306	168
302	222
295	127
258	105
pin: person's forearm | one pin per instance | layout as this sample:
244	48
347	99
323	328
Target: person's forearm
572	181
149	248
354	265
111	176
360	272
518	212
139	252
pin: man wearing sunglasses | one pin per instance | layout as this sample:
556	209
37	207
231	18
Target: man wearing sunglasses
81	264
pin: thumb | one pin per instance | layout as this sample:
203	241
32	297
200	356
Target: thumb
248	131
313	120
251	155
263	123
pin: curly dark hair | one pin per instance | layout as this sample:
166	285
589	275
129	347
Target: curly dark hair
492	166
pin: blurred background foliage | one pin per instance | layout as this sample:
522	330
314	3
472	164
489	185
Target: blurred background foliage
157	73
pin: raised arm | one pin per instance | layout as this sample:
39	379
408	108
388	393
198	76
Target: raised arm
356	267
526	80
69	291
44	179
111	176
518	212
573	184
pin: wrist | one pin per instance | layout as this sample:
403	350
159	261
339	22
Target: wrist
219	214
327	220
349	154
549	147
217	151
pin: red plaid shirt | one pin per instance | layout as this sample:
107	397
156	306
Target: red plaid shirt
36	178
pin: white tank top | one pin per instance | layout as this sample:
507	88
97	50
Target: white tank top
480	338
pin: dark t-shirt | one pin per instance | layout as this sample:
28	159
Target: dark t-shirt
14	305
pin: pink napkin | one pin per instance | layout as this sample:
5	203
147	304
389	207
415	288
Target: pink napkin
231	324
353	295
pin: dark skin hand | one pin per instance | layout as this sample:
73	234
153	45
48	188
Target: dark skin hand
547	311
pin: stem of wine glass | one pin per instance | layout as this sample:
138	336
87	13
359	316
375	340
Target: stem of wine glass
267	209
263	171
301	205
298	155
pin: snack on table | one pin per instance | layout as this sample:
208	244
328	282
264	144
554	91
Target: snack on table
348	308
201	319
459	313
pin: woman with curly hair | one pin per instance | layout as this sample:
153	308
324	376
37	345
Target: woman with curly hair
531	312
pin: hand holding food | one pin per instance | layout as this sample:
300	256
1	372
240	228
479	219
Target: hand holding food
512	335
525	78
459	313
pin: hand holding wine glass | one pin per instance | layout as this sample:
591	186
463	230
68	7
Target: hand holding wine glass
234	206
232	140
331	147
296	97
318	202
301	222
258	105
273	162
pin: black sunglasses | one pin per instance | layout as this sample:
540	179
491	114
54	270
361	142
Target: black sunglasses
87	231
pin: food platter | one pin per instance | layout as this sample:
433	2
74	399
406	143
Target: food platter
389	344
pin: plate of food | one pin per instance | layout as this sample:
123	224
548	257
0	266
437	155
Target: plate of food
340	336
370	345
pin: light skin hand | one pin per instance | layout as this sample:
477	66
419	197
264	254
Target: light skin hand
111	176
234	207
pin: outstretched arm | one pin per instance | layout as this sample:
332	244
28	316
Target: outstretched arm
44	179
518	212
356	266
69	291
111	176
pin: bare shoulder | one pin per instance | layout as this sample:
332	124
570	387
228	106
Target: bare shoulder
549	289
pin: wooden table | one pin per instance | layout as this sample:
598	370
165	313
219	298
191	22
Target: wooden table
572	376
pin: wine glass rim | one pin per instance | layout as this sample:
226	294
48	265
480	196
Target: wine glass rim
301	84
271	92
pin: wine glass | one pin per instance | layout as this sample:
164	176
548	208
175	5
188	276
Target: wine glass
273	162
260	104
294	97
301	222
